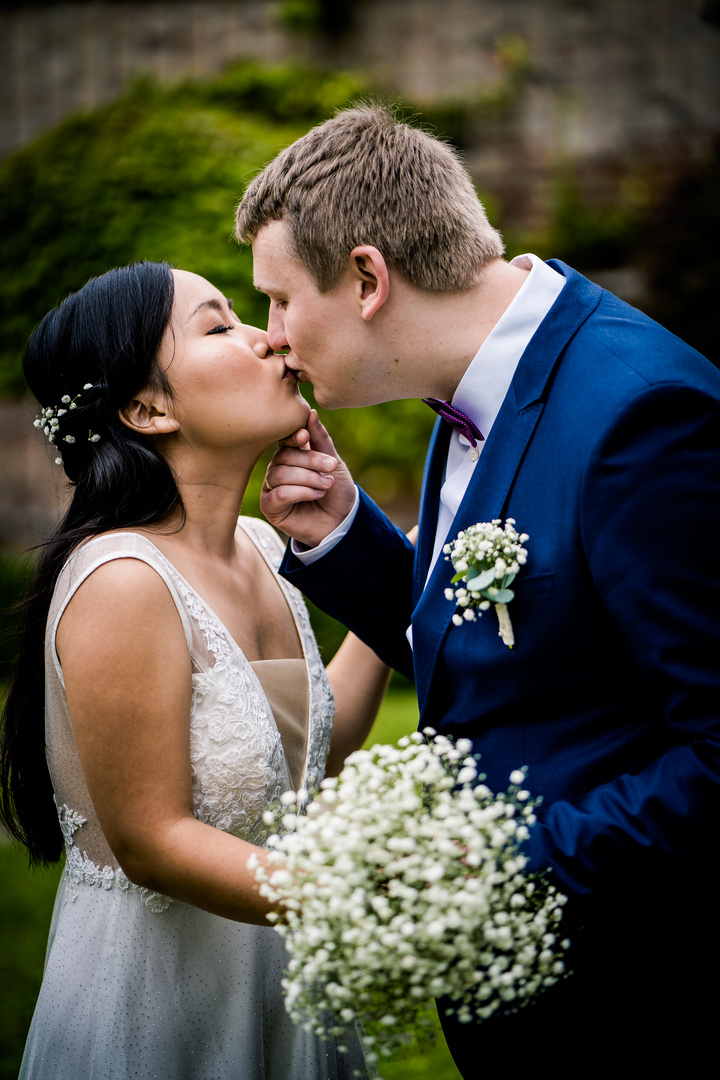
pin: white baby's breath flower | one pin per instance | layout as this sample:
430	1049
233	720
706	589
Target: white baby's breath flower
486	559
50	416
408	883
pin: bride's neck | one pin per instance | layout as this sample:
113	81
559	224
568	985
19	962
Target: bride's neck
211	515
212	497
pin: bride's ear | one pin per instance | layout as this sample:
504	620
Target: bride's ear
148	414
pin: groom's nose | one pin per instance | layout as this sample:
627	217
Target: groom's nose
276	330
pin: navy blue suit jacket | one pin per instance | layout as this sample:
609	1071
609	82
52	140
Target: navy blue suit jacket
606	451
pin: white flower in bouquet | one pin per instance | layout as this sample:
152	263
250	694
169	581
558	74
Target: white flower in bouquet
486	558
405	882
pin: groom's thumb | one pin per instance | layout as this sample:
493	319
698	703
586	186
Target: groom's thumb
319	438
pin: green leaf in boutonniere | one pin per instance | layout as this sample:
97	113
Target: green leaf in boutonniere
486	558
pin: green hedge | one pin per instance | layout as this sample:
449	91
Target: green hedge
157	175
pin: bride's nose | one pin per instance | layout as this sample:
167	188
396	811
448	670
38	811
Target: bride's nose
259	343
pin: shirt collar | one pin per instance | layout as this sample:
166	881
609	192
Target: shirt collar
483	387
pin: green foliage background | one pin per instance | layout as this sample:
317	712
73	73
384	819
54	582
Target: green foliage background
157	175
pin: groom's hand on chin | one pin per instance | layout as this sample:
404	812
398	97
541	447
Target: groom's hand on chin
307	491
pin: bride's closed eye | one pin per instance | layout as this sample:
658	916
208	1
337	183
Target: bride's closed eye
220	329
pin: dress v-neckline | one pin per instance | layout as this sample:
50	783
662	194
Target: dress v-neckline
235	647
225	634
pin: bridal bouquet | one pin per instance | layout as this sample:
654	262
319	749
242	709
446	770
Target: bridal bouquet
403	882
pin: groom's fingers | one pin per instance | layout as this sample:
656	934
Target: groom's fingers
299	438
292	466
313	436
319	437
293	477
307	491
277	503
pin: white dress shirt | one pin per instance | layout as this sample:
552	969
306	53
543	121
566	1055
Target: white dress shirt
483	387
479	394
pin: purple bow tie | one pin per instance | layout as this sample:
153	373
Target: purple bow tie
459	420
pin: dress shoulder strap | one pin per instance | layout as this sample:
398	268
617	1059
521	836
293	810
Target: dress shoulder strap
264	536
95	553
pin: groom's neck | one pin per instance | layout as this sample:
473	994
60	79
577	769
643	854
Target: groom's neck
432	338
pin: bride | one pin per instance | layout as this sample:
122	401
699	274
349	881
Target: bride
182	694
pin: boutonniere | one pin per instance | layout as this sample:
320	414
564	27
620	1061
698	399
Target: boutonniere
486	558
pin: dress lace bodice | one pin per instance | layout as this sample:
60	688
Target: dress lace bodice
237	760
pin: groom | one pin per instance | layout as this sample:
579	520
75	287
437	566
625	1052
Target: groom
599	433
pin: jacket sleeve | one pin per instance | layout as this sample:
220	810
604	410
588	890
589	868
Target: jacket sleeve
365	582
650	519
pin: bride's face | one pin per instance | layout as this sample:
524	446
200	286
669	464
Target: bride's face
229	388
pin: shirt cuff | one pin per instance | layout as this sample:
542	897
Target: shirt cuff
307	556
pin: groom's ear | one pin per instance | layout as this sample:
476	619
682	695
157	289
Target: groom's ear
371	278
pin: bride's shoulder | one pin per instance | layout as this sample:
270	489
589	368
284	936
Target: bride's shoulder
113	587
124	559
108	546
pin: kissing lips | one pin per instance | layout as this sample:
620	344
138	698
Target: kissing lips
291	373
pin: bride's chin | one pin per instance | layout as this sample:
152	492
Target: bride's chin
288	434
293	420
303	414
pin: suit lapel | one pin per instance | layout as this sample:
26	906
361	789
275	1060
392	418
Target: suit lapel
429	504
488	490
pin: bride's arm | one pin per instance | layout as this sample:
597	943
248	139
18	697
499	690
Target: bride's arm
359	680
128	681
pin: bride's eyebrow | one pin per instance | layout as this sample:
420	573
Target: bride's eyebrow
218	305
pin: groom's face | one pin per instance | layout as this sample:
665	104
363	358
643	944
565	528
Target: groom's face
322	332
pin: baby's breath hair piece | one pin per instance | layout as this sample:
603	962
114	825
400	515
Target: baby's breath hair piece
49	419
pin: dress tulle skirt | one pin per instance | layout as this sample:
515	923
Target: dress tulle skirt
177	994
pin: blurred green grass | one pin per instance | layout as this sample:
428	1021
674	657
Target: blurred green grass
26	902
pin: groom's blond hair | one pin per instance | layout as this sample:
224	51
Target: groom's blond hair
366	177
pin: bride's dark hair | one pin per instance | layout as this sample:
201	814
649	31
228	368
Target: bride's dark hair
107	334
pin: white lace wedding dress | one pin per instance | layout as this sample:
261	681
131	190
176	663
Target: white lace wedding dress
139	985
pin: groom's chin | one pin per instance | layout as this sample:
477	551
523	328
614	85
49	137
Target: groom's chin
347	400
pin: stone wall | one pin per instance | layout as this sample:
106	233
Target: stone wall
608	79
